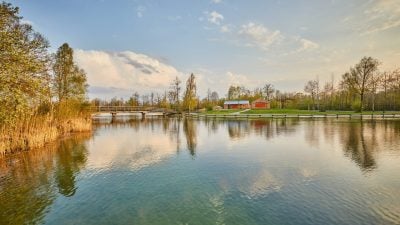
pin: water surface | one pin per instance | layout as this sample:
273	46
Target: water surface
175	171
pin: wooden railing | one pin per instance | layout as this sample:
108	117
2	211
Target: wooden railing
122	109
110	109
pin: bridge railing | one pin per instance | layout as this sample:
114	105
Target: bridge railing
121	108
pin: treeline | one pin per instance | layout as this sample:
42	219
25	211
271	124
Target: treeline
173	98
42	95
362	87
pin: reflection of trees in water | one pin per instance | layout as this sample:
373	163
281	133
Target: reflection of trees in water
27	179
357	146
71	157
360	140
189	128
238	128
212	125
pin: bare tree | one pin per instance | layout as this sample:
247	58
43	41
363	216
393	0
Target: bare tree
312	87
268	91
174	93
359	78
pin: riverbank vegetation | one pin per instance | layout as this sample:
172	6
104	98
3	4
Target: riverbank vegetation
362	88
42	96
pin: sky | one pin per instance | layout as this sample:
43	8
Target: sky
136	45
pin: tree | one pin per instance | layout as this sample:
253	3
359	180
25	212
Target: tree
386	78
134	99
69	81
268	91
375	81
174	93
190	98
312	87
24	60
359	78
214	97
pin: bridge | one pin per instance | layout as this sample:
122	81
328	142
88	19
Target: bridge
114	110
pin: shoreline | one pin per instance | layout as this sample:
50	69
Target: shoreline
20	140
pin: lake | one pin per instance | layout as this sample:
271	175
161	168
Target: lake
198	171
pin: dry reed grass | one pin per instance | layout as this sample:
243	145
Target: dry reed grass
36	131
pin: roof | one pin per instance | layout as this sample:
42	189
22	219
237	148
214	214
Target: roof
260	100
236	102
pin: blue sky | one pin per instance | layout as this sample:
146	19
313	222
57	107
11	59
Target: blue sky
133	45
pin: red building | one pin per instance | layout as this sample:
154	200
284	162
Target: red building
260	104
237	104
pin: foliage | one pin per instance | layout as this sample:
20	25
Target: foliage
28	116
69	80
360	77
190	98
24	60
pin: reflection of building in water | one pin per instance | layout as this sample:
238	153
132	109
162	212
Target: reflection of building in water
36	176
265	127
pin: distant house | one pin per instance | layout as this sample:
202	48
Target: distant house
217	107
260	104
237	104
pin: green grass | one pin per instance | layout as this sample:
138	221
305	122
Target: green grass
313	112
223	111
293	111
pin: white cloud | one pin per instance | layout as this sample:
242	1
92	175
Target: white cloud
214	17
140	11
239	80
216	1
378	16
125	70
226	29
307	45
260	36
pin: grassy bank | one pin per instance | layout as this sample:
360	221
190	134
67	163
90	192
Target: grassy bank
35	132
223	111
298	112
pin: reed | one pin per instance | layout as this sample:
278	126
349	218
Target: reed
35	131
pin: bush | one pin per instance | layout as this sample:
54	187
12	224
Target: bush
356	106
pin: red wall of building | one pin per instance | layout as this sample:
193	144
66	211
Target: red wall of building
237	106
260	105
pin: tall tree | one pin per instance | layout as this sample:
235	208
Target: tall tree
312	87
69	81
360	77
174	93
268	91
24	60
190	98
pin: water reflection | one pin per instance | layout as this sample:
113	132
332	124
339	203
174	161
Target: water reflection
234	171
136	143
189	128
27	178
70	159
359	140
